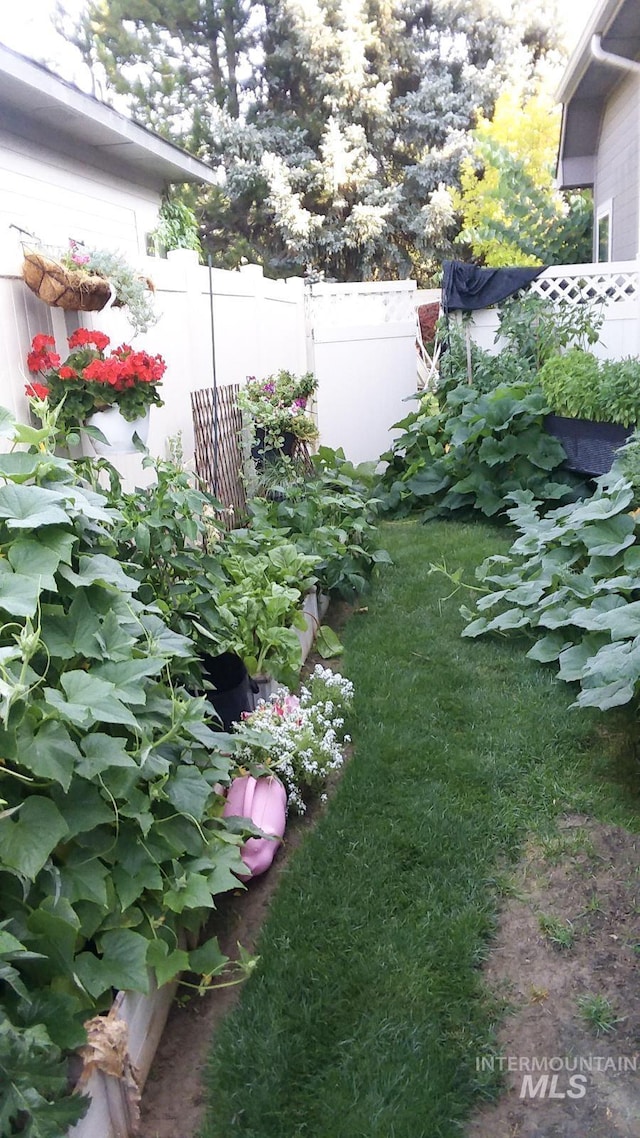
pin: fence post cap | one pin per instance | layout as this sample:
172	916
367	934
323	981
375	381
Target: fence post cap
252	270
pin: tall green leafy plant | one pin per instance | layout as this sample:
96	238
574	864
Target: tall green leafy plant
473	454
571	580
537	328
236	592
582	387
259	605
330	512
111	839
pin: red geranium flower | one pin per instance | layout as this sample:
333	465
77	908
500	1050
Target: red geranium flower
41	342
87	381
83	337
40	358
36	391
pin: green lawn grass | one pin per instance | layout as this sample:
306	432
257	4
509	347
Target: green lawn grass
367	1011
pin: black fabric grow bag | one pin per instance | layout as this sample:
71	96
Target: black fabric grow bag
590	447
234	690
262	455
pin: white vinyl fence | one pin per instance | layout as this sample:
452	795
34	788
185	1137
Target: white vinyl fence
362	349
616	284
359	340
248	324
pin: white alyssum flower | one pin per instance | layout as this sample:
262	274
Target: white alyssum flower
301	736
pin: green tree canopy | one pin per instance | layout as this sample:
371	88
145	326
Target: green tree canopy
511	212
335	124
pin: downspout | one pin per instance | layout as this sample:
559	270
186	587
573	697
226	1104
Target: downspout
620	61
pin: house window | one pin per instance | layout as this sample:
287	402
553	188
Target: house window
603	233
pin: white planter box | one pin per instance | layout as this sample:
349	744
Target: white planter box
114	1109
310	611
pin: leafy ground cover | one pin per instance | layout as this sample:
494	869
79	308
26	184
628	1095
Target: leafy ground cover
368	1008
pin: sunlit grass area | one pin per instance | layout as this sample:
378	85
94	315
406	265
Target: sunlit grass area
367	1011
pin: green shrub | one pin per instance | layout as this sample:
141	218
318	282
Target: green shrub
581	387
472	454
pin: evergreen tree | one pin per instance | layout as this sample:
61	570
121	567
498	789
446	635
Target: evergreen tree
335	123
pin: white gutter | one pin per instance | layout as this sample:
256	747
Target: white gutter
603	56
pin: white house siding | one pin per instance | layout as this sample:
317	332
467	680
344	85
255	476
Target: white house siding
57	197
618	167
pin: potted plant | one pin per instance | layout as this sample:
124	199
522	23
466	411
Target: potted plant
258	611
298	738
594	406
85	280
278	408
112	393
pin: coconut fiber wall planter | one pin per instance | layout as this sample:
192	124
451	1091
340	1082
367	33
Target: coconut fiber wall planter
60	287
590	447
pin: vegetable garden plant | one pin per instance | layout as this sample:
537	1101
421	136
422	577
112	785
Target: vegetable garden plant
111	839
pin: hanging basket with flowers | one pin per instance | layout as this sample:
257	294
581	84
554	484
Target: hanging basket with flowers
89	381
86	280
62	287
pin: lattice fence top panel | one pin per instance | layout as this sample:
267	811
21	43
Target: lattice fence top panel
218	454
359	305
592	283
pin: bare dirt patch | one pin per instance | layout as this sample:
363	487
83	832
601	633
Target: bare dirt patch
570	932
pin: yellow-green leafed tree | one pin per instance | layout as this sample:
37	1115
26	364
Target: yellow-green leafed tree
511	212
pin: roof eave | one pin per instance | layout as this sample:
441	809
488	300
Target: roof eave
41	90
579	61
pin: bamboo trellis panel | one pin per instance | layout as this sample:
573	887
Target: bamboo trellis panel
221	474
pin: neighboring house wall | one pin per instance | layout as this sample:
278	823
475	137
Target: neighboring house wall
618	168
55	197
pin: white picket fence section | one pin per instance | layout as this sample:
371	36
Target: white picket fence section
616	285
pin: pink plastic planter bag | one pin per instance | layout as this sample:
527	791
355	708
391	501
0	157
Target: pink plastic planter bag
264	801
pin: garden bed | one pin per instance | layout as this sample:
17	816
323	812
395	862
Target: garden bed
173	1098
116	1080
